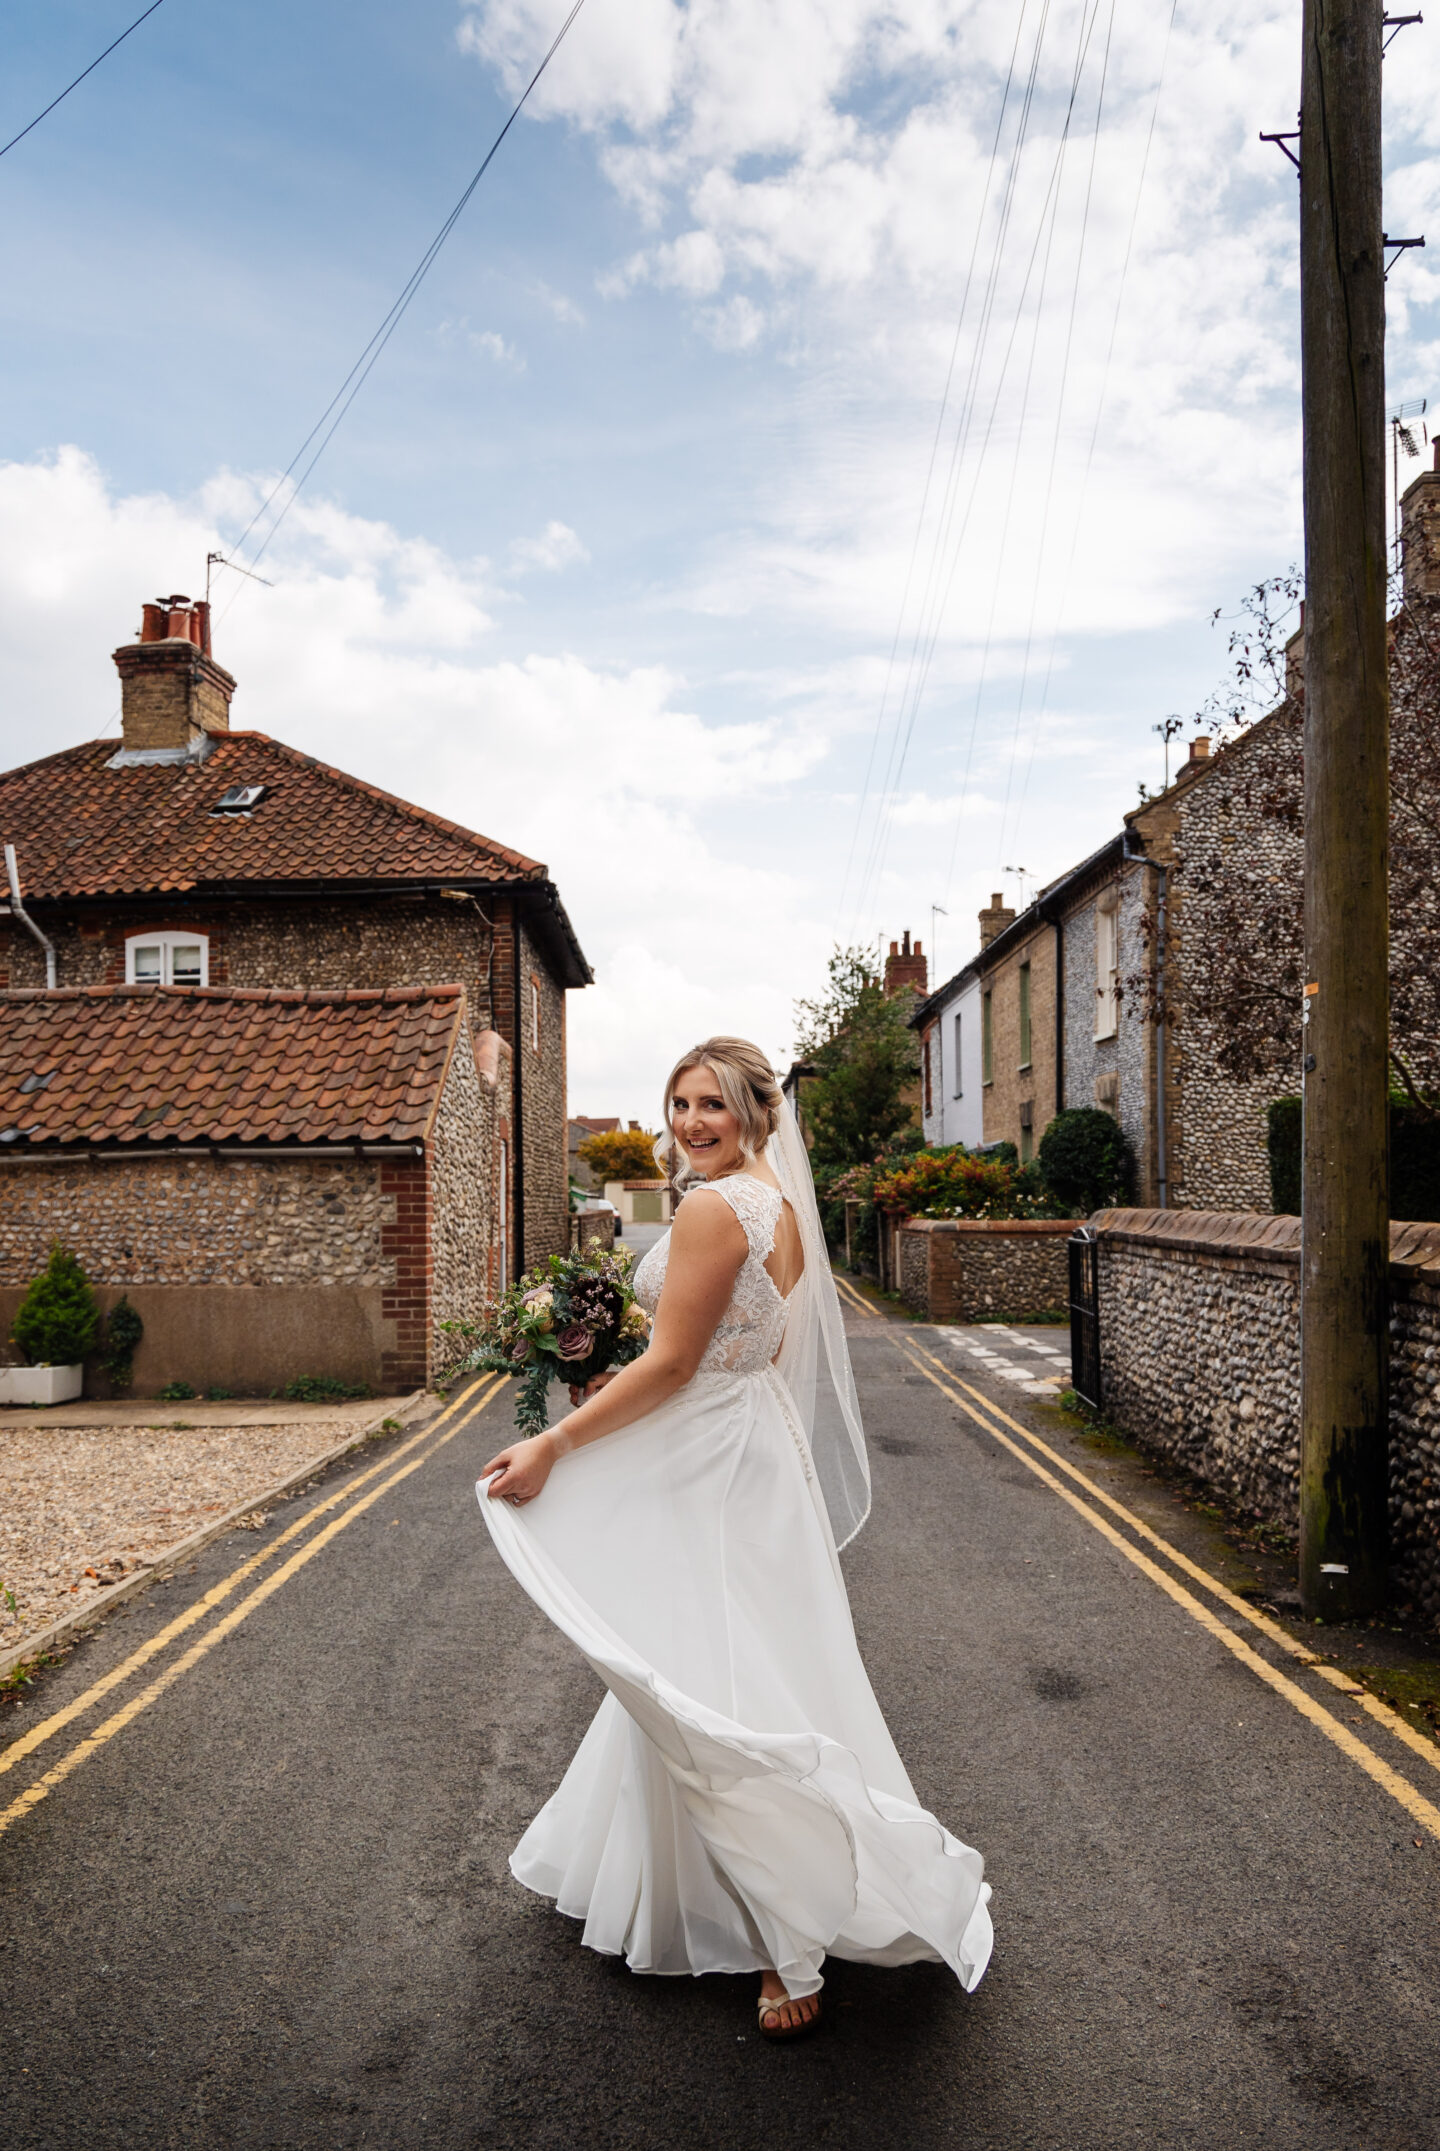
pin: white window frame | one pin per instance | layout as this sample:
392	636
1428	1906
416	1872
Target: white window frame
959	1057
1107	969
167	943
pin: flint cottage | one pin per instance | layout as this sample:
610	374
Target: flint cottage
282	1057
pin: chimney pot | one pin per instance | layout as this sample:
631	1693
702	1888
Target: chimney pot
906	967
171	690
994	919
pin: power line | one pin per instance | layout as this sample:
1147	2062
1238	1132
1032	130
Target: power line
359	373
79	79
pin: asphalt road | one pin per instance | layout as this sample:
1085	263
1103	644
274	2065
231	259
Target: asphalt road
271	1907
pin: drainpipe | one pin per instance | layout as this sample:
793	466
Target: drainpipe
1162	1176
517	1132
19	911
1059	1013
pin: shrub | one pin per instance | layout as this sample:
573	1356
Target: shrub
1085	1159
123	1332
322	1389
621	1154
954	1183
58	1320
1282	1142
176	1393
1414	1159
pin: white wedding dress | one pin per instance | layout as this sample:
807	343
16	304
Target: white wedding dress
737	1804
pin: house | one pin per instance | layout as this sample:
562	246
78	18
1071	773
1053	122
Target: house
576	1129
949	1023
187	859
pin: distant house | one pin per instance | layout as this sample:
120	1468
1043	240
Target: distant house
577	1128
951	1071
186	860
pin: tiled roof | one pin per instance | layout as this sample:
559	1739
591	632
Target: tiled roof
160	1065
84	829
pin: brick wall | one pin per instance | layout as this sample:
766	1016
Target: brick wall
542	1089
465	1197
983	1270
1200	1359
1012	1084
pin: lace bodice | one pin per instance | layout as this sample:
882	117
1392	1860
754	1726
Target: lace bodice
749	1332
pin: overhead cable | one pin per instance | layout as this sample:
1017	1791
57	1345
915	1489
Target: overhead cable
79	78
359	373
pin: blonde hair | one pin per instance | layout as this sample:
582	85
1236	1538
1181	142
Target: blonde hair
746	1082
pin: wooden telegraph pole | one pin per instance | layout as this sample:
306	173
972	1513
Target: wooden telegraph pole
1345	1264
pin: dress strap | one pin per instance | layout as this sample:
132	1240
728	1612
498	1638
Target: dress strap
756	1205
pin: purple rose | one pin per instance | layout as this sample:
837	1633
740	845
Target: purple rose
574	1341
521	1351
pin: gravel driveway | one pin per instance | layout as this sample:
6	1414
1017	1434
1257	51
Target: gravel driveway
84	1504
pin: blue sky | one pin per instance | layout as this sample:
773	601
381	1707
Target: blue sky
611	555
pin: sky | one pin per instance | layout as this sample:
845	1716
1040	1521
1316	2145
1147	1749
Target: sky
804	478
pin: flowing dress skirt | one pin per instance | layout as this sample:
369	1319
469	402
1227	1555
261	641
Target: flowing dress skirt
737	1803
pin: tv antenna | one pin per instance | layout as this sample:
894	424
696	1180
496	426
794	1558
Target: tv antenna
218	560
1402	435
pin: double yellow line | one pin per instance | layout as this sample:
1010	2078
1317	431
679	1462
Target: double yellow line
347	1499
1029	1449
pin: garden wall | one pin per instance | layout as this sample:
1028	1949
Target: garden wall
1200	1359
981	1270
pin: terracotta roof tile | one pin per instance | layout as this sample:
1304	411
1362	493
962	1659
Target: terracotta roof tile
154	827
162	1064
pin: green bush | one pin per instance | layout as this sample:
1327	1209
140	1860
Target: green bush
1282	1141
58	1320
322	1389
123	1332
1085	1159
1414	1160
176	1393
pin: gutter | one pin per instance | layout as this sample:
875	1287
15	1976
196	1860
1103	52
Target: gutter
18	911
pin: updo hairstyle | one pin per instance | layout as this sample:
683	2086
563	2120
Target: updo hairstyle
746	1082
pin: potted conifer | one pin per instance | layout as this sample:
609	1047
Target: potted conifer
55	1325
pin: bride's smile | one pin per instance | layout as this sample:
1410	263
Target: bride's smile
704	1126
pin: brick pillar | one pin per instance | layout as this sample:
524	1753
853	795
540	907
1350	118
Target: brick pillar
405	1243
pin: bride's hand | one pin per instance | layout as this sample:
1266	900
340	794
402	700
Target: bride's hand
521	1470
592	1388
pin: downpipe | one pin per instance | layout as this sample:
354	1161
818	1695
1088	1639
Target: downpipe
12	873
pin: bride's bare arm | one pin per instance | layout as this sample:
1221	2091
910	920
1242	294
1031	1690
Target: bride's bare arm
707	1249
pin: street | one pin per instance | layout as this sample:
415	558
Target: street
270	1907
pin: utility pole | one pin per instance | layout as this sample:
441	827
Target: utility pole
1345	1258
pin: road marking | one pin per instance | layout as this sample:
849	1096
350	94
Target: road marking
853	1298
48	1727
1418	1743
93	1742
1414	1803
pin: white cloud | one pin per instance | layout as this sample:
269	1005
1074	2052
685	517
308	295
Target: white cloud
373	652
487	343
556	547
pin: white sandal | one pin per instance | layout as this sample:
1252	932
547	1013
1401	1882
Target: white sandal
771	2005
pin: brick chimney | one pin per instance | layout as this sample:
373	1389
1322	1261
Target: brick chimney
905	966
1420	532
994	919
1197	759
172	692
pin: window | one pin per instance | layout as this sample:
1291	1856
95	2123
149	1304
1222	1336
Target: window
167	960
1027	1130
1107	971
534	1013
930	1038
1024	1015
959	1064
987	1040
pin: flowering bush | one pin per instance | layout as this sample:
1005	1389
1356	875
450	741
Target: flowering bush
573	1316
954	1183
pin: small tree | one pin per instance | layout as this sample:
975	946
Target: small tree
58	1320
621	1154
123	1332
858	1041
1085	1158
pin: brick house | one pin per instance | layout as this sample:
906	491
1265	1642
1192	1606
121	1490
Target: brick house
187	855
282	1183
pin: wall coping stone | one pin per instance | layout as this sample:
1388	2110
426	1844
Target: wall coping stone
1413	1247
991	1224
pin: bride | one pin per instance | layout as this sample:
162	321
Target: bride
737	1803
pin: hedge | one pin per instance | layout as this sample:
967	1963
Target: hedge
1414	1161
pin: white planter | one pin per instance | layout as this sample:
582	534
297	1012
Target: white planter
40	1385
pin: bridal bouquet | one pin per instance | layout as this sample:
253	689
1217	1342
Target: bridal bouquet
569	1319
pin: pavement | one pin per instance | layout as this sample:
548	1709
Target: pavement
253	1889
